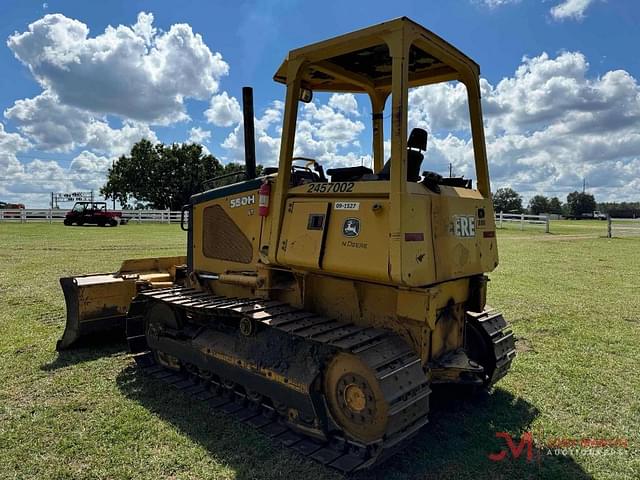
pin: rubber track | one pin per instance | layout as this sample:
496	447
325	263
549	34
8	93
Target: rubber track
397	368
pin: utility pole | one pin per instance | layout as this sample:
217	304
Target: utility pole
113	166
584	185
450	170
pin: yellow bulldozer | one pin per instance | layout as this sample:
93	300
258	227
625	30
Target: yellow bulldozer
322	310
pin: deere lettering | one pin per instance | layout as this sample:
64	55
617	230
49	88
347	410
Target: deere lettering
464	226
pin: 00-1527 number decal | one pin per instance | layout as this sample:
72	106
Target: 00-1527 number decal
347	206
338	187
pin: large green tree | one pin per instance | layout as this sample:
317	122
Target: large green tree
579	203
555	206
538	204
162	176
507	200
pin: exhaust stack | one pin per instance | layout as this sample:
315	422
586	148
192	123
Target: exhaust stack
249	133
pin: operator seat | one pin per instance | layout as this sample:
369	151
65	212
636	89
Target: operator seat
416	144
348	174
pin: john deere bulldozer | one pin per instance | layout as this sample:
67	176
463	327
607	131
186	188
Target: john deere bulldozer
321	307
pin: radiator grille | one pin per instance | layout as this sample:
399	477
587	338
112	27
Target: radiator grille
222	239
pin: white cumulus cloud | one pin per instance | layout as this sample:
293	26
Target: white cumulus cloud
267	133
89	163
50	124
101	93
326	133
136	72
565	10
102	138
31	183
57	127
497	3
198	135
10	145
548	126
570	9
345	102
223	111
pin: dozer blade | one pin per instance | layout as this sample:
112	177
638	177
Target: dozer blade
99	302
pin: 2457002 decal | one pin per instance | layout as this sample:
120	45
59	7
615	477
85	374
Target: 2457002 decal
338	187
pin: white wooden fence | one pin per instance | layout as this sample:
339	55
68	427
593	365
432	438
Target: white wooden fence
623	227
616	227
168	216
157	216
502	219
57	215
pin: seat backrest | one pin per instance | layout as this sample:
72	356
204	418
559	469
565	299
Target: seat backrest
348	174
414	161
418	139
416	144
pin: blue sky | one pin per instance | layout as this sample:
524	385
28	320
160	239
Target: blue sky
560	89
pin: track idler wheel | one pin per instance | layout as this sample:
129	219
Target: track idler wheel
355	399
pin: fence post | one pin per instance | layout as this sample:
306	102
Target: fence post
608	226
522	221
139	216
50	216
500	218
23	216
168	215
546	224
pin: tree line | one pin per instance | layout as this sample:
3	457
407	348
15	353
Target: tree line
165	176
578	204
621	209
507	200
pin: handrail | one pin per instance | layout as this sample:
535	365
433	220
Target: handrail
206	183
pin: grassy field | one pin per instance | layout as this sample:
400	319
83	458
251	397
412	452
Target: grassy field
572	297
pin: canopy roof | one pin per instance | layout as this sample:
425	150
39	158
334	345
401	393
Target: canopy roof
360	61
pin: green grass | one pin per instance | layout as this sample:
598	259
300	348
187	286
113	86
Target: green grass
571	296
573	228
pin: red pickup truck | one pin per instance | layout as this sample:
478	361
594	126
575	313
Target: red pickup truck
95	213
11	206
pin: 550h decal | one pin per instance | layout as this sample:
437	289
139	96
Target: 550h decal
242	201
